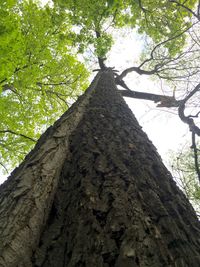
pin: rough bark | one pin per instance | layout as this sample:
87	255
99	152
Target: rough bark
94	192
27	196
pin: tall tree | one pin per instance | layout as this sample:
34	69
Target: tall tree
39	41
94	192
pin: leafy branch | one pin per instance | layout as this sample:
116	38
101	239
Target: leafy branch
197	15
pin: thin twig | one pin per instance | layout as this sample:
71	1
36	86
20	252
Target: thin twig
157	67
19	134
187	119
195	150
4	167
187	8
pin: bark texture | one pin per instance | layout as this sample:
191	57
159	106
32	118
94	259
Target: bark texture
27	196
116	203
94	192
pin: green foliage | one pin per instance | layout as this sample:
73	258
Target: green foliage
103	44
41	75
185	175
160	20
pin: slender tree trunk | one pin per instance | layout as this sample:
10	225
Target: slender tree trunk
94	192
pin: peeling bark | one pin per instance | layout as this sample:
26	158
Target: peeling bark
94	192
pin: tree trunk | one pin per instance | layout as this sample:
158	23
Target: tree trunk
94	192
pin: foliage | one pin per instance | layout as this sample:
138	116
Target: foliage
185	175
41	73
158	19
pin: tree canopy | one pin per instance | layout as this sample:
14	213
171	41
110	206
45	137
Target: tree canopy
44	50
40	74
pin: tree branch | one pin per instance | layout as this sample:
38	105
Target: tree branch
100	60
196	89
164	101
4	167
20	69
198	9
53	84
158	66
19	134
138	70
194	116
187	8
187	119
195	150
141	6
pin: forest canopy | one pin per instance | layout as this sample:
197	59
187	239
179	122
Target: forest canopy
45	49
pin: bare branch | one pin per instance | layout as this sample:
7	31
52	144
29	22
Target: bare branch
196	89
138	70
158	67
164	101
194	116
187	119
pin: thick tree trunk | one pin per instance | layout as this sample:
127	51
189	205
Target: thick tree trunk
94	192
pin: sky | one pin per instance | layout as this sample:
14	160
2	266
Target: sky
163	126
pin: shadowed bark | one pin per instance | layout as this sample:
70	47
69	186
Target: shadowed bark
105	199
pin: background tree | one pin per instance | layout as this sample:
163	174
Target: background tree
184	173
